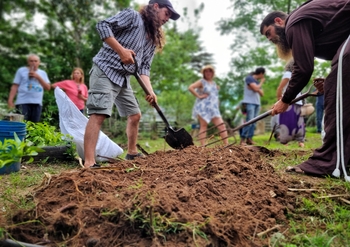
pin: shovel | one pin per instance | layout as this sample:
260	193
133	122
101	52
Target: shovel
268	113
177	139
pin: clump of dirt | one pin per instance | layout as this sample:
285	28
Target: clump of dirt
191	197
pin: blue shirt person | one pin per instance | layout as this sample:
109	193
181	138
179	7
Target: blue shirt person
29	85
251	99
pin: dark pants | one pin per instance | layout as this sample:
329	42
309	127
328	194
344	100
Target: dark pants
252	112
324	159
319	116
31	112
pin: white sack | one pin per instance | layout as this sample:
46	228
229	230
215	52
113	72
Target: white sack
73	122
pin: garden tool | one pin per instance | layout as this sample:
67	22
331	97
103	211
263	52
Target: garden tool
212	127
177	139
272	132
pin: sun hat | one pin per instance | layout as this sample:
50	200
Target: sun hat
211	67
174	16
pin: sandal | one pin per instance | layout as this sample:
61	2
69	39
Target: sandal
294	169
95	166
133	156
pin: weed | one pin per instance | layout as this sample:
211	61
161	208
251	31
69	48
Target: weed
137	185
156	224
134	168
134	216
196	230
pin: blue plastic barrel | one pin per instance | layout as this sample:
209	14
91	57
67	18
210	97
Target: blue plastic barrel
7	130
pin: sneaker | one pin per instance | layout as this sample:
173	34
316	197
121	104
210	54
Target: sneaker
133	156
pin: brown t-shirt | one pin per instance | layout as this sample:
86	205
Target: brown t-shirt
316	29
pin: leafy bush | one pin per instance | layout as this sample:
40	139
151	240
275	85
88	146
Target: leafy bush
45	135
42	134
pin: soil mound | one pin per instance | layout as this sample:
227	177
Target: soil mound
191	197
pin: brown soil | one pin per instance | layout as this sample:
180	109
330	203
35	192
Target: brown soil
191	197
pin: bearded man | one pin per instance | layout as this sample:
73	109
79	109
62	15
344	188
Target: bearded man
318	28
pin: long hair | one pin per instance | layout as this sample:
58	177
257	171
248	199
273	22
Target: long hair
82	74
153	26
289	65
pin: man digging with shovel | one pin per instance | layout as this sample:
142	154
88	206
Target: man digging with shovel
126	35
318	28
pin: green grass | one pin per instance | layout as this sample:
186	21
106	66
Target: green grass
312	141
14	187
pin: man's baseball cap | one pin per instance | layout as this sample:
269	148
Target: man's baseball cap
174	16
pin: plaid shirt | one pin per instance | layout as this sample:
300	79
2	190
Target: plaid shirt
128	28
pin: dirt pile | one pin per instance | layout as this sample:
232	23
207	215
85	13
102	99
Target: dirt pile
191	197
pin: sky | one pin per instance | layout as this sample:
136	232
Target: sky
212	41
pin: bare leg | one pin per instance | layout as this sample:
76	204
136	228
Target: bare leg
92	131
132	129
202	130
221	128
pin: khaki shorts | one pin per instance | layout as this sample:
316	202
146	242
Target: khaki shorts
103	94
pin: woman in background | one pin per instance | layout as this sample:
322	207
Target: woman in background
206	107
75	88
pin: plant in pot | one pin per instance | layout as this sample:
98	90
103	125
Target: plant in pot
12	151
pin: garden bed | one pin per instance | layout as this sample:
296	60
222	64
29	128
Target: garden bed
191	197
52	153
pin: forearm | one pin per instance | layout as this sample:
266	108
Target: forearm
147	84
44	84
260	92
196	85
115	45
82	97
126	55
12	95
262	80
193	91
255	87
280	88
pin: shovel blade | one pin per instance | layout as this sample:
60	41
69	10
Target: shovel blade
178	139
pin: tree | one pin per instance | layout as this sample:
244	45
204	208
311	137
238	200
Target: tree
66	37
15	40
252	50
62	33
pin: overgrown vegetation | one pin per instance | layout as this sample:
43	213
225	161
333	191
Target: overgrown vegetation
43	134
